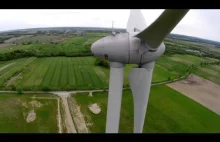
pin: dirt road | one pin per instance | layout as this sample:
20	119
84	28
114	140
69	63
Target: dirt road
69	121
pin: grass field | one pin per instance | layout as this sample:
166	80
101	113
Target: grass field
68	73
17	114
42	43
38	39
168	111
61	74
65	73
14	68
210	72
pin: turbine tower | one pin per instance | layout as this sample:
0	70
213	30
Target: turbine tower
140	45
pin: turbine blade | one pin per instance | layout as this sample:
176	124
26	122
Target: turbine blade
136	21
114	97
161	27
140	83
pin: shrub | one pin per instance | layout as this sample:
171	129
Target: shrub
102	62
46	88
169	78
19	90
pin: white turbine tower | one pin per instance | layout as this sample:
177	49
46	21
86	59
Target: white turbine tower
140	45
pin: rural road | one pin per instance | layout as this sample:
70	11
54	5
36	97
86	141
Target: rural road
69	121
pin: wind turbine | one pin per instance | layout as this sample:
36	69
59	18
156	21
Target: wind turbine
140	45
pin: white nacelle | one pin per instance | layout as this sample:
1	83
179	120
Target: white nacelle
125	48
114	48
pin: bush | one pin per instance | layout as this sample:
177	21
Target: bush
169	78
46	88
102	62
19	90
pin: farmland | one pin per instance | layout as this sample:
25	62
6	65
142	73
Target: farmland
75	73
54	44
34	39
68	72
25	114
63	62
168	111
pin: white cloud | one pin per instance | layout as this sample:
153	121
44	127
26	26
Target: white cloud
200	23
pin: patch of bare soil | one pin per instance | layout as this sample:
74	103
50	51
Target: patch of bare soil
35	104
94	108
200	90
25	105
31	116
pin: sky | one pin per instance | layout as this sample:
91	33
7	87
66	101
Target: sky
199	23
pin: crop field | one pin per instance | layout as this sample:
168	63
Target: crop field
12	69
28	114
13	39
43	43
168	111
64	73
6	49
37	39
74	73
60	73
189	59
210	72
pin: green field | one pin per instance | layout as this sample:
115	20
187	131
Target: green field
65	73
35	39
210	72
43	44
61	73
68	73
168	111
15	114
14	68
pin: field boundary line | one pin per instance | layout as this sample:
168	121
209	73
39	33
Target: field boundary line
58	110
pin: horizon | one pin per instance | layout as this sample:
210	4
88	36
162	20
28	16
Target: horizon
197	23
101	27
